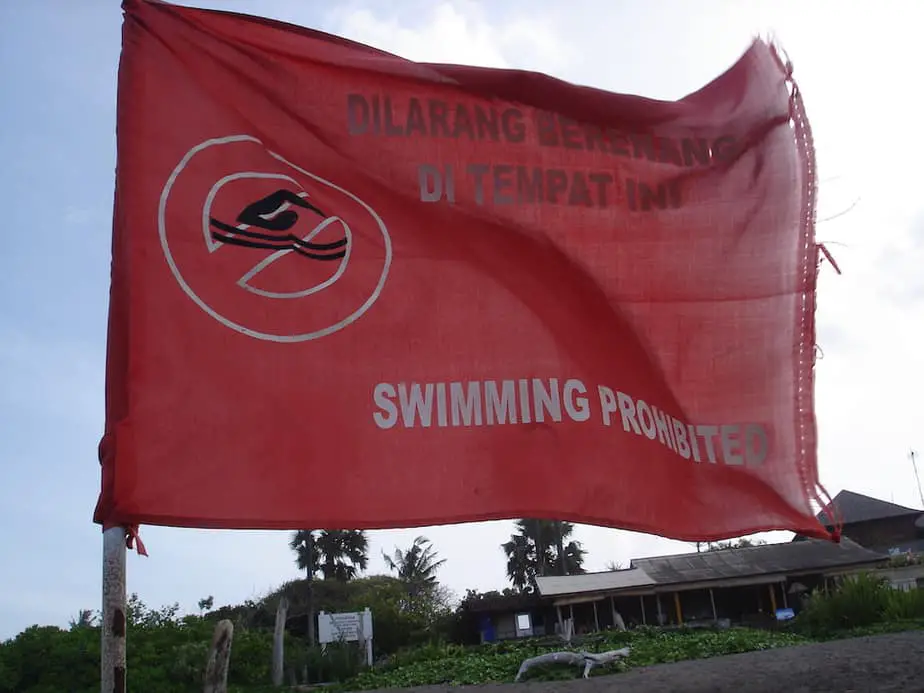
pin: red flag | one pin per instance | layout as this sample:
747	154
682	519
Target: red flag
349	290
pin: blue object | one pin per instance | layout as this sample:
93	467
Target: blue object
487	629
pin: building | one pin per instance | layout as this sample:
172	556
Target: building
507	616
876	524
884	527
746	585
753	585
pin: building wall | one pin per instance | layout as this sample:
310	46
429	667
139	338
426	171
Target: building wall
904	578
881	535
505	626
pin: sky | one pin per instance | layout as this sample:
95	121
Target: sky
857	66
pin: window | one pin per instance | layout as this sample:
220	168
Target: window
523	622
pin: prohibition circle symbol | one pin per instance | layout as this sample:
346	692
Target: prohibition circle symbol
266	247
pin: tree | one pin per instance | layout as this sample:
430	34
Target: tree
306	558
539	548
416	567
742	543
522	563
342	553
425	601
206	604
396	625
85	619
338	553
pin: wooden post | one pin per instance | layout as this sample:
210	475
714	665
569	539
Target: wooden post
785	600
361	636
678	609
715	614
216	670
660	611
772	598
279	635
112	632
596	618
367	610
641	599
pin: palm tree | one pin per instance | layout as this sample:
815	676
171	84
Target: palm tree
541	547
306	555
522	562
85	619
343	553
336	552
415	567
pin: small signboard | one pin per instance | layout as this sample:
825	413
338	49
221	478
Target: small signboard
347	627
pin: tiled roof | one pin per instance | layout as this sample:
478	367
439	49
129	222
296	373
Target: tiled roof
855	507
791	557
554	585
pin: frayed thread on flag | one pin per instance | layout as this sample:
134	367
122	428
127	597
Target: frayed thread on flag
133	540
827	256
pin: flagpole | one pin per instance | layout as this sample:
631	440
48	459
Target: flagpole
112	660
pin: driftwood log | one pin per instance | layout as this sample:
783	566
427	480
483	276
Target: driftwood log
216	670
588	660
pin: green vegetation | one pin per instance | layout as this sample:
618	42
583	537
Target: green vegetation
167	653
420	639
498	662
339	553
541	547
864	601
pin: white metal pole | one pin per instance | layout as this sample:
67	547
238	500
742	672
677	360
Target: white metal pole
112	661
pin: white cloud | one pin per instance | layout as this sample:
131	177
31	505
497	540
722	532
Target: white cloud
459	32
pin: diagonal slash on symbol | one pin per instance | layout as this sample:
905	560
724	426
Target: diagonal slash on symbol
213	243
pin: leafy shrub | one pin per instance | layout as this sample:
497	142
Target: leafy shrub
904	606
165	654
497	662
859	602
339	661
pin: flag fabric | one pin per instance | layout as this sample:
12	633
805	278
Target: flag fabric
354	291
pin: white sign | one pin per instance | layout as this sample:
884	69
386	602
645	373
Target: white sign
348	627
